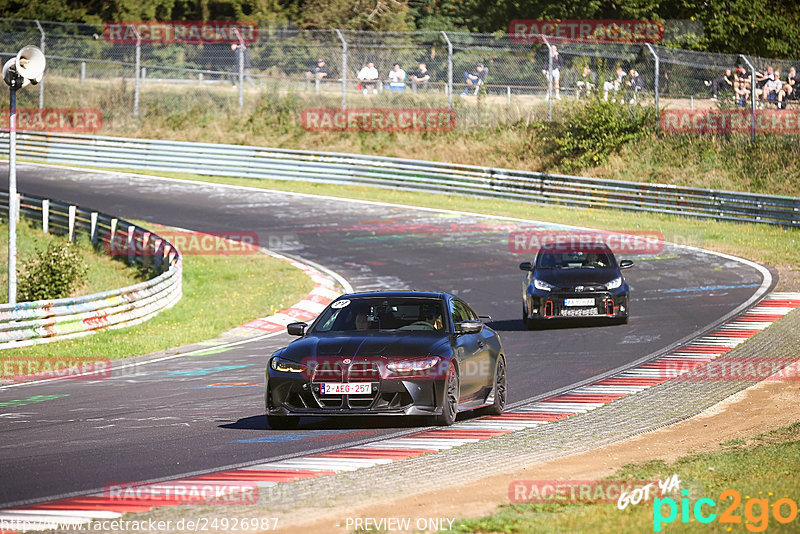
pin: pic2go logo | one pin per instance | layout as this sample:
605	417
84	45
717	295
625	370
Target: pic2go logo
756	511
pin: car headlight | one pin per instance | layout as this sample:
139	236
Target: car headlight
412	366
615	283
285	366
541	285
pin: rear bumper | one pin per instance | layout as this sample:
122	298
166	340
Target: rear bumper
556	306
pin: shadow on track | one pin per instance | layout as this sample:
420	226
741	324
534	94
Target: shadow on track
259	422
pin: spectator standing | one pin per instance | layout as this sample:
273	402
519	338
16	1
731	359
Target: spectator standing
615	85
558	64
241	56
723	83
397	79
475	79
318	72
368	76
586	83
635	84
421	77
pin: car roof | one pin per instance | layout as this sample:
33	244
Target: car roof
566	248
398	294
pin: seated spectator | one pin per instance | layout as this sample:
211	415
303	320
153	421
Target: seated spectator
421	77
475	79
772	87
317	72
741	85
397	79
369	78
634	84
723	83
609	86
762	78
586	83
790	89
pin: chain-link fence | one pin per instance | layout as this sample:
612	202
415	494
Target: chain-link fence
484	77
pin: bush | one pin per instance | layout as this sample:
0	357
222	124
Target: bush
52	273
593	131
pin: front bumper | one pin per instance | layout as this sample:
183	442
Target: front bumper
548	306
292	394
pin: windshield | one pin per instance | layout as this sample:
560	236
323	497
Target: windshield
407	314
575	260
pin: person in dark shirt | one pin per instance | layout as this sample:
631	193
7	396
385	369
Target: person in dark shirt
790	89
475	78
634	84
558	64
318	72
614	86
586	83
723	83
421	78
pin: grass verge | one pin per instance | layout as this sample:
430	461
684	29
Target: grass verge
219	293
763	467
103	274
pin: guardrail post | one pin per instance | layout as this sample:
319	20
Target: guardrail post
93	232
344	68
752	97
449	89
41	46
46	216
157	252
655	83
72	223
112	237
131	243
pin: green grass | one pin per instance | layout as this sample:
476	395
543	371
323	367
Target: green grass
763	467
104	273
219	293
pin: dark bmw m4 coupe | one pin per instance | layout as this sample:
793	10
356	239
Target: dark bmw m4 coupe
388	353
573	282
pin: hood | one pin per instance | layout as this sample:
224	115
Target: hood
569	278
365	346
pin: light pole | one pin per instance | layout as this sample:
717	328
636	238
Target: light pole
27	67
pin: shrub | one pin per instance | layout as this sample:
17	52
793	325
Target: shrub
52	273
593	131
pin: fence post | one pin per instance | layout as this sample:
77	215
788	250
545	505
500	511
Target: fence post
549	78
752	97
240	67
41	46
344	68
137	65
449	89
72	210
83	71
144	76
658	74
46	216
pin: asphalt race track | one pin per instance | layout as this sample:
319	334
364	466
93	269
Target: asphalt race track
183	415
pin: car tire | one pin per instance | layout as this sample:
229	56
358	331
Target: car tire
282	422
452	392
500	389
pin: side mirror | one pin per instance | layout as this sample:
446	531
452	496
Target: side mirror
469	327
625	264
526	266
296	329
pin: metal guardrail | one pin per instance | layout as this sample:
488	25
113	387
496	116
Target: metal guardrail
42	321
413	175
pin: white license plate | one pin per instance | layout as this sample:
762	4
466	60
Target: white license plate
579	302
349	388
578	312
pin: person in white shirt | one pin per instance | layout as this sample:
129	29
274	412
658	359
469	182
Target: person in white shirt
397	79
369	78
772	87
